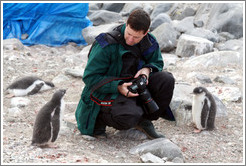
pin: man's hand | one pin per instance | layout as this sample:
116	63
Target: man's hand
145	71
124	91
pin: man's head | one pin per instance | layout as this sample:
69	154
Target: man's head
137	26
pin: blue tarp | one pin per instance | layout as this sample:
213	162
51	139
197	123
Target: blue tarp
51	24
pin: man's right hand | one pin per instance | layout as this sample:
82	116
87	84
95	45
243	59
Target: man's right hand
124	90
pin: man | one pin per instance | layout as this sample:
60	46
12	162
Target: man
115	60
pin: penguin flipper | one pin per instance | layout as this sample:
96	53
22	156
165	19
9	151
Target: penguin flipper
36	89
204	113
211	116
55	124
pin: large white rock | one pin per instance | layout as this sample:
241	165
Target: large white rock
190	45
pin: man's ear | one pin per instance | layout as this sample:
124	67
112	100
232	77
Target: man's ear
146	32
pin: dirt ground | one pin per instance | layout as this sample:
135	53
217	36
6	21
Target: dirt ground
222	145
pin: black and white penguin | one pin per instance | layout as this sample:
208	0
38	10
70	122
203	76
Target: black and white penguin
28	86
203	109
48	121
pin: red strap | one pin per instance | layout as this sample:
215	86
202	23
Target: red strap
100	84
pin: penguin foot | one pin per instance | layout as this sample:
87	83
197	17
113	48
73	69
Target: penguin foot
52	146
48	146
10	95
197	131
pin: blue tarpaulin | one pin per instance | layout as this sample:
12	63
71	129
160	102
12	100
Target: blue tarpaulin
51	24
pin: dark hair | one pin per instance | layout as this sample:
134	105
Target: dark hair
139	20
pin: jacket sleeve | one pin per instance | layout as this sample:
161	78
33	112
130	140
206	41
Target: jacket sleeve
153	56
97	68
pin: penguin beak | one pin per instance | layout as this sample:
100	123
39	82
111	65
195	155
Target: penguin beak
64	90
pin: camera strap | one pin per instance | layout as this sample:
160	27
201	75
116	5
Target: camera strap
100	84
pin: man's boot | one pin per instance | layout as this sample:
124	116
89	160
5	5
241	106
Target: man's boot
168	115
147	127
100	129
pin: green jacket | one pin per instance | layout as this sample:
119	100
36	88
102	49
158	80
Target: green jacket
105	60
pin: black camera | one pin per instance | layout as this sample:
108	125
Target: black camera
139	86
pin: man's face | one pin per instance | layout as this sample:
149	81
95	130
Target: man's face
133	37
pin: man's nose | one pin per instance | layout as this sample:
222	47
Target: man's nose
131	39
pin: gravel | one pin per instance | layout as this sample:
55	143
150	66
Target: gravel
222	145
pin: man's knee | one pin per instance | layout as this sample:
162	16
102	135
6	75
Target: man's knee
168	78
162	80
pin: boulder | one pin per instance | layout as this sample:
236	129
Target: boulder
215	59
190	45
161	147
100	17
166	37
222	17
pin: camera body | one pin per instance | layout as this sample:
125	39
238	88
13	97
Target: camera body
139	86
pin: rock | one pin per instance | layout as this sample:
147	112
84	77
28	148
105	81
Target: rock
187	12
95	6
224	36
169	60
204	33
60	78
77	72
225	80
83	54
19	102
14	112
104	17
181	103
161	147
160	8
230	45
113	7
177	160
184	25
102	161
12	44
129	7
160	19
221	108
90	33
150	158
203	79
189	46
232	94
166	37
88	138
222	17
215	59
180	11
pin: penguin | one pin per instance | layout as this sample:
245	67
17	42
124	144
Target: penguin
203	109
48	121
28	85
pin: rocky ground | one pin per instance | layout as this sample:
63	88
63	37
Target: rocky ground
223	145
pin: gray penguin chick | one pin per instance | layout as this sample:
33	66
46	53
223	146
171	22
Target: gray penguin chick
28	85
203	109
48	120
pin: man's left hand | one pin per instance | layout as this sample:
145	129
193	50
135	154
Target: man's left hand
144	71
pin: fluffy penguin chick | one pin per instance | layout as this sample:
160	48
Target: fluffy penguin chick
28	86
203	109
48	119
